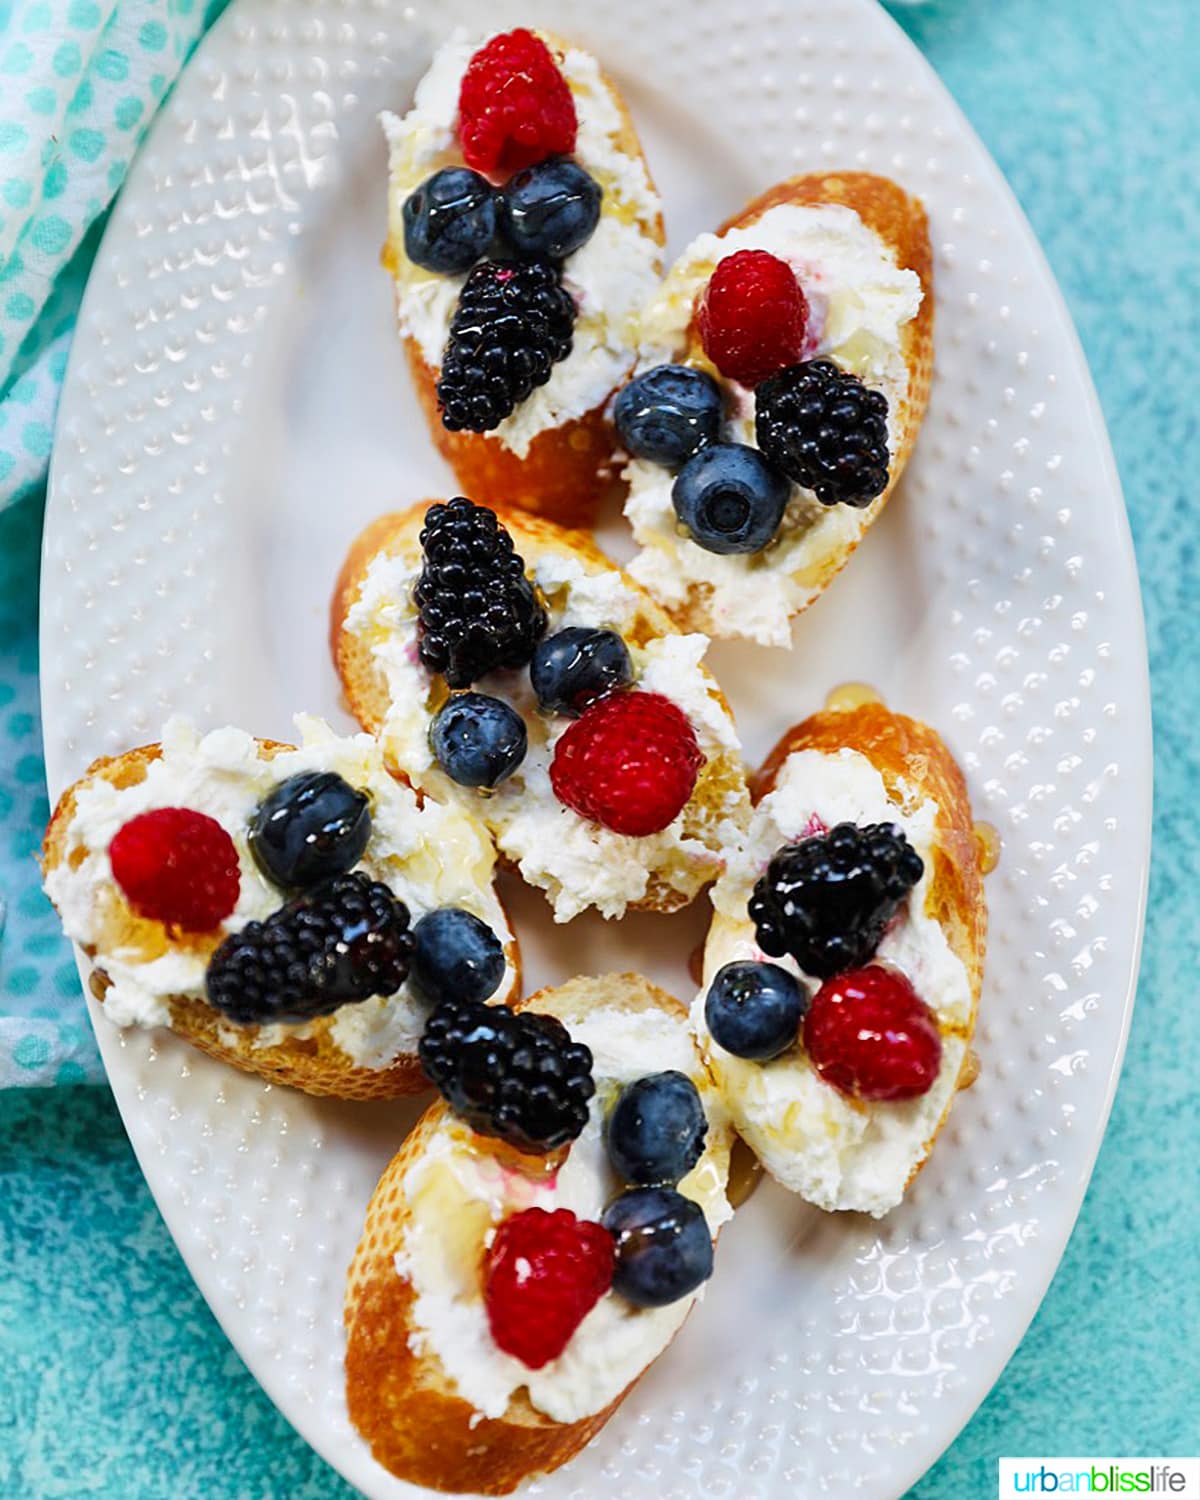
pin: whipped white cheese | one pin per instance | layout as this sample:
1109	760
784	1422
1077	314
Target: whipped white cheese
430	855
577	863
859	304
836	1152
609	277
457	1197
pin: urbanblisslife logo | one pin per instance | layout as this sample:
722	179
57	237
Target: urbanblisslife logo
1167	1478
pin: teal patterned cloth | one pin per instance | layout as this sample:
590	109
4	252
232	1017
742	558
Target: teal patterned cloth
80	80
114	1379
44	1034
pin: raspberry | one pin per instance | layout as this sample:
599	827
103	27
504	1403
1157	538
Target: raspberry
752	316
177	866
514	106
543	1274
629	763
870	1035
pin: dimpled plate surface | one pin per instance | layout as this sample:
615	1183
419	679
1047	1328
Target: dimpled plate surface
237	408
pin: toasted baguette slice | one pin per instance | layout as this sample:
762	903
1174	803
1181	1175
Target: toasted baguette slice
144	973
863	764
578	864
554	454
424	1239
862	283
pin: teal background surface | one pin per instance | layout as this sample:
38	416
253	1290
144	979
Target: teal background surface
114	1379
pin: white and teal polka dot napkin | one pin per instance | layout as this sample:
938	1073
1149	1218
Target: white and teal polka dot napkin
80	81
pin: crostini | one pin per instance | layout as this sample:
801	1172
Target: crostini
524	231
521	1267
783	373
197	873
844	962
505	660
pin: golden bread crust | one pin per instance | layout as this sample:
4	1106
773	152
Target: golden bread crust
365	686
566	473
901	222
313	1064
904	750
568	470
402	1402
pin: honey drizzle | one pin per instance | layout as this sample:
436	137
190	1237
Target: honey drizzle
987	838
534	1167
745	1173
848	696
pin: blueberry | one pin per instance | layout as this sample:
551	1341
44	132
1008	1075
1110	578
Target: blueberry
656	1130
456	957
578	664
664	1249
730	498
478	740
754	1009
311	827
450	220
668	414
549	210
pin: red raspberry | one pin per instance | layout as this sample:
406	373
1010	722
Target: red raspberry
514	106
629	762
542	1275
752	316
177	866
869	1034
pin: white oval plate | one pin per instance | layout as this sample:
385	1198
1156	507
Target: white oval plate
237	408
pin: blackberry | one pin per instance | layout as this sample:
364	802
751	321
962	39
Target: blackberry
477	609
344	940
827	900
516	1076
513	323
826	430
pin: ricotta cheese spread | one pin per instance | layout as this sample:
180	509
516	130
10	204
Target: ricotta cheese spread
577	863
457	1196
609	277
860	302
430	854
836	1152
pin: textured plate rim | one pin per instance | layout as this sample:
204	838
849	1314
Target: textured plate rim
1136	769
1004	1349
